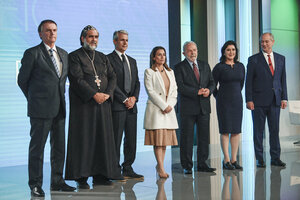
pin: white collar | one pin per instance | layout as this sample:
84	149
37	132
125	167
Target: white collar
48	48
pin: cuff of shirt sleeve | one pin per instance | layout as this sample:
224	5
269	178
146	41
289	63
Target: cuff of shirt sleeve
125	100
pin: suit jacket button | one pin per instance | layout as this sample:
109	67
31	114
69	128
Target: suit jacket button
159	93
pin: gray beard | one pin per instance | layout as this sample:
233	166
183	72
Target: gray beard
88	46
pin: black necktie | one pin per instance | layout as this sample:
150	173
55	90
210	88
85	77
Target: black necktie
127	82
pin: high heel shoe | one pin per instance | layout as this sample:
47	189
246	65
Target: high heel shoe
236	165
228	166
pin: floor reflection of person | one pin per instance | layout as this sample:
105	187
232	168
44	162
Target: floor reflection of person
128	188
260	184
275	180
182	186
161	194
203	186
233	178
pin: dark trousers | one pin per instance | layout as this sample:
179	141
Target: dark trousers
40	129
125	121
187	138
259	116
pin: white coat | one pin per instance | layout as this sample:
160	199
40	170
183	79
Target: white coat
155	88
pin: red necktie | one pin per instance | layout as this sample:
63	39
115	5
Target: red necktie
271	65
196	72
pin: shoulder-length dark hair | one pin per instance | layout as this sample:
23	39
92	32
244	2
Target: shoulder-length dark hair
223	57
152	55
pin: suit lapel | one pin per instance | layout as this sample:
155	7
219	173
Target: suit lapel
277	63
264	63
47	58
171	83
117	59
62	58
190	71
132	72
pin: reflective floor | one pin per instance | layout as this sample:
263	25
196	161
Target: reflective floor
251	183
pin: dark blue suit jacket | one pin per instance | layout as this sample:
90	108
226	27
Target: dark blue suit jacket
189	102
120	94
261	86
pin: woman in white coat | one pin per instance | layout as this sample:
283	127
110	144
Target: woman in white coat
160	119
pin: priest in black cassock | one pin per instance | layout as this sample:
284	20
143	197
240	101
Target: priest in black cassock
91	143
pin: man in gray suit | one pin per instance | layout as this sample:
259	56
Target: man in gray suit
42	79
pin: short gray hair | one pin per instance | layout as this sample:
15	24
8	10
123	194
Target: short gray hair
267	33
187	43
84	32
116	34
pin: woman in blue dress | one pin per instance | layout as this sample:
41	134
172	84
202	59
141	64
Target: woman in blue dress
230	75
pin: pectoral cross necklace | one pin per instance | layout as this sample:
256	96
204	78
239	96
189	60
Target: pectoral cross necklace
97	80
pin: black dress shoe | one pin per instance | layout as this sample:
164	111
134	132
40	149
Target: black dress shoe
205	168
62	187
132	175
278	163
37	192
260	164
187	171
82	185
237	166
228	166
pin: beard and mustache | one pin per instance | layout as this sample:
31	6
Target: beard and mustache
89	46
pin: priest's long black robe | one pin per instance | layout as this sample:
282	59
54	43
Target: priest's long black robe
91	147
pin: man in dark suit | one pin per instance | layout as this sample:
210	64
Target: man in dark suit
266	92
195	85
124	105
42	79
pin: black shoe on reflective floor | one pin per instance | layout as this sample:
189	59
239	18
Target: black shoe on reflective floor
205	168
237	166
37	192
62	187
278	163
132	175
260	164
228	166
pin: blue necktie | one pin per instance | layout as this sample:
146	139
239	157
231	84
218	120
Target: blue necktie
54	62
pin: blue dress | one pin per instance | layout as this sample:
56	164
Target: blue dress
228	96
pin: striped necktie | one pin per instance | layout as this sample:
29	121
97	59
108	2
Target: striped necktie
54	62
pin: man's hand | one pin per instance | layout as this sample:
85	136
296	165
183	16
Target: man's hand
100	97
250	105
283	104
130	102
205	92
201	91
